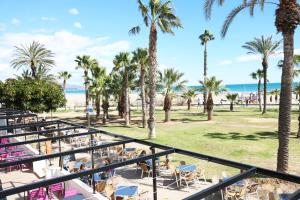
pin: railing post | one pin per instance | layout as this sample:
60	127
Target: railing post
93	164
59	147
154	174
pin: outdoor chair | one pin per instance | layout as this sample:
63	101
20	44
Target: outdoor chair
170	171
70	192
189	177
201	174
236	195
56	188
100	186
110	192
39	194
145	169
143	195
252	191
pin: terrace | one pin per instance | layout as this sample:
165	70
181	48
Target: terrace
62	160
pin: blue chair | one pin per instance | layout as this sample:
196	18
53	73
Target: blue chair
97	177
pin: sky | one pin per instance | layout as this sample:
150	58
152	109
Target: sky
100	28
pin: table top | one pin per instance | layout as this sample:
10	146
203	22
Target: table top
75	197
187	168
122	191
130	149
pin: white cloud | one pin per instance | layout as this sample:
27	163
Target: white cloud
48	18
74	11
77	25
247	58
225	62
15	21
66	47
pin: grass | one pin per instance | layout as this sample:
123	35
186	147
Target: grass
244	135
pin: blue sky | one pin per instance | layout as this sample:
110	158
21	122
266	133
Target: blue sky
100	28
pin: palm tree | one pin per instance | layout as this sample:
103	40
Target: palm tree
231	98
205	38
123	61
276	93
84	62
264	47
97	84
258	75
140	57
33	56
287	19
189	95
160	14
212	86
65	75
170	81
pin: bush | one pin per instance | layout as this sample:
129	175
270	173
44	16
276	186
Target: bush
33	95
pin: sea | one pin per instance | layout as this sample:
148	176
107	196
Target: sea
247	88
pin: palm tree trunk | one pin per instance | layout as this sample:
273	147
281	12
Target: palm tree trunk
189	104
259	94
265	66
204	77
97	103
143	97
152	76
210	106
86	84
167	107
284	124
126	102
298	133
231	106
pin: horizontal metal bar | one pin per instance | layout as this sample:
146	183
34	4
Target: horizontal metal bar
47	182
64	153
48	138
216	188
41	132
70	123
17	115
295	195
29	125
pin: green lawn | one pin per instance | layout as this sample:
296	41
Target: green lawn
243	135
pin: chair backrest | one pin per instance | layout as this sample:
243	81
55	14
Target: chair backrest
120	151
252	188
37	193
182	162
109	190
100	186
144	167
56	187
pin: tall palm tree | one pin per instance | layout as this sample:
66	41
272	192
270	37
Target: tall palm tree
212	86
65	75
189	95
161	14
33	56
264	47
123	61
171	82
97	83
258	75
205	38
84	62
140	57
287	19
232	99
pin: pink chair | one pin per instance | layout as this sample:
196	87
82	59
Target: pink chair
12	147
4	141
71	192
38	194
56	188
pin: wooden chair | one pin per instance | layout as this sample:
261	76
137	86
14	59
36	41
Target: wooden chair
252	191
189	177
201	174
110	192
145	169
100	186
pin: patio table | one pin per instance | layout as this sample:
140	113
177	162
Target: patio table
75	197
187	168
126	191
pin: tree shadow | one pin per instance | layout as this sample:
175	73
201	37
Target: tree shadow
238	136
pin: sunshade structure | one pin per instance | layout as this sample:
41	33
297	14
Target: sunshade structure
157	150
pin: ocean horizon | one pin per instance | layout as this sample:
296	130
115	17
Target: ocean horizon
249	87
